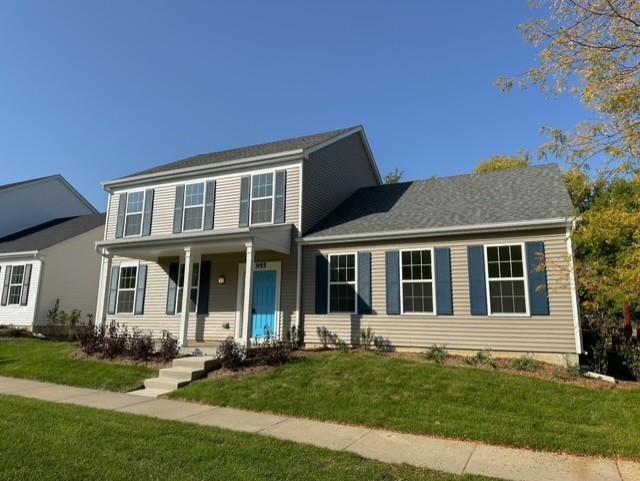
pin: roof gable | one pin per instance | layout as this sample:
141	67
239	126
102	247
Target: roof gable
510	197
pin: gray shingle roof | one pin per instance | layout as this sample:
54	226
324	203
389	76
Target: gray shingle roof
50	233
246	152
534	193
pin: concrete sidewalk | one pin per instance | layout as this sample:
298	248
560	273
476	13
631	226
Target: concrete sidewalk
458	457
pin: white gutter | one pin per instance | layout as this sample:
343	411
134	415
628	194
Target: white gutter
19	255
457	230
281	156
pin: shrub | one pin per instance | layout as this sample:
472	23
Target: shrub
231	354
91	338
630	351
115	341
526	363
13	331
295	337
341	345
436	354
169	348
482	358
366	338
63	325
141	346
324	336
382	344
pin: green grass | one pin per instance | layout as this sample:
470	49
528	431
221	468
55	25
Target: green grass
53	362
43	441
422	398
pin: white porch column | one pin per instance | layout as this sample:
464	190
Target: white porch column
247	305
186	294
103	288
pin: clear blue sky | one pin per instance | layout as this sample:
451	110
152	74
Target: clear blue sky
99	90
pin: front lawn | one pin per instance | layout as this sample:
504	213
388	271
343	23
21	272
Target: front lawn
455	402
51	361
43	441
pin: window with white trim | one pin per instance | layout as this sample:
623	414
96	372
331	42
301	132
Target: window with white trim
15	285
342	283
262	192
193	206
133	214
127	289
506	279
416	274
195	284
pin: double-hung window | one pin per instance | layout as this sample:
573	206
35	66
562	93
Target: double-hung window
195	284
506	278
15	285
262	198
127	289
417	281
342	283
193	206
133	216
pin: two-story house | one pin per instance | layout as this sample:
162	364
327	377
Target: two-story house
307	220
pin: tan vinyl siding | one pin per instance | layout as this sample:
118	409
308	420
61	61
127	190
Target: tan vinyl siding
227	208
292	200
164	199
331	175
222	298
553	333
70	272
112	217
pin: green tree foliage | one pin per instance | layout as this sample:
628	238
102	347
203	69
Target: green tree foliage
591	49
503	162
393	177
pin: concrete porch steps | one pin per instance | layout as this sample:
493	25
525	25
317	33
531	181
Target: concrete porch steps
183	371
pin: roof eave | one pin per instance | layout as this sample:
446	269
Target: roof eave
256	161
19	255
453	230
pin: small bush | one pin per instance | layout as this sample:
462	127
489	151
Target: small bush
91	338
526	363
231	354
366	338
341	345
115	341
169	348
382	344
630	352
482	358
436	354
63	325
295	337
13	331
141	346
324	336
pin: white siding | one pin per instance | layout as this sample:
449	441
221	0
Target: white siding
553	333
18	315
70	272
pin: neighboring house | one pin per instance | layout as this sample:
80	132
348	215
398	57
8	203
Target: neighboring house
451	261
33	202
50	261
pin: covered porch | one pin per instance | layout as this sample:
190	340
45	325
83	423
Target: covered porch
178	268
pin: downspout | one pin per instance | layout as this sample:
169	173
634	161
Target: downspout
574	291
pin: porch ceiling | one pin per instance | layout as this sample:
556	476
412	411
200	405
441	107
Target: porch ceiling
272	237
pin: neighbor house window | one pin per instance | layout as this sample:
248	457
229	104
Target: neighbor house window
127	289
133	216
262	198
193	206
342	283
15	285
417	281
505	272
195	284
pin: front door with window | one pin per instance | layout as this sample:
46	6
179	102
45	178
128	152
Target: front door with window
264	303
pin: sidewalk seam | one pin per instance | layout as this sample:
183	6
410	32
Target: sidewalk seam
358	440
464	469
618	469
261	431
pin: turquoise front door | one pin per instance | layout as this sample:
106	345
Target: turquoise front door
264	304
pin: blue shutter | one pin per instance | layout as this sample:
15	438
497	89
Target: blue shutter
5	288
322	281
141	285
148	212
444	293
209	204
122	210
205	281
174	270
245	191
26	281
538	299
477	283
364	282
113	290
177	209
392	259
281	179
